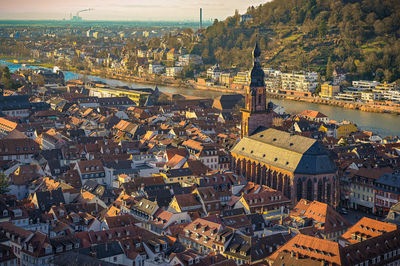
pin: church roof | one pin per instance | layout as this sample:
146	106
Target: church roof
228	102
293	153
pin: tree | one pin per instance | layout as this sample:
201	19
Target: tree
3	184
322	28
379	27
164	99
6	78
329	69
239	105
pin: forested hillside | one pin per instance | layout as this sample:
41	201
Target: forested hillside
361	36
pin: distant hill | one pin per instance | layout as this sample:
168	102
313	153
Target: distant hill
361	36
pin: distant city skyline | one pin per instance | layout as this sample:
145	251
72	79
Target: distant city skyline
119	10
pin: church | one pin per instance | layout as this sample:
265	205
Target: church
295	165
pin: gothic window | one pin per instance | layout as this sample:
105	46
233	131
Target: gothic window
320	191
299	189
310	190
328	193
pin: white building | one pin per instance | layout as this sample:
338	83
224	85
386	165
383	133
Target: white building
214	72
173	71
300	81
365	84
188	59
156	69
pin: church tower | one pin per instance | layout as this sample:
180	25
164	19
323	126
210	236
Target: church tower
256	112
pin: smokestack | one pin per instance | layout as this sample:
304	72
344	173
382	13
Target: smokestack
201	18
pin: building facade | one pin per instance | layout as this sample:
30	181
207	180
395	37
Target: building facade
295	165
256	112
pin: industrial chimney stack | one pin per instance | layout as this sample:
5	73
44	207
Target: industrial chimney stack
201	18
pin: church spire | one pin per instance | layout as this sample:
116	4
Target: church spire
256	113
257	73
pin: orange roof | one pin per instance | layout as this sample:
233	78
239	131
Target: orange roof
312	247
366	228
113	211
312	113
175	160
193	144
321	213
171	152
87	195
124	176
7	125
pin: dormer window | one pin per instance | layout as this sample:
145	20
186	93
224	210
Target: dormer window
48	249
5	213
190	261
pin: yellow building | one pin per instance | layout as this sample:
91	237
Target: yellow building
175	205
241	78
345	130
385	86
226	79
139	97
328	90
338	131
124	179
171	55
181	176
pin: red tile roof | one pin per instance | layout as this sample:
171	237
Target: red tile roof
311	247
366	228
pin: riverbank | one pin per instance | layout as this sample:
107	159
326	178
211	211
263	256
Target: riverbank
383	124
192	85
365	107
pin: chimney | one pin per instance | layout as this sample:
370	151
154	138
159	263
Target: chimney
201	18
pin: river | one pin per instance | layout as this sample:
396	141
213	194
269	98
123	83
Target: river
380	123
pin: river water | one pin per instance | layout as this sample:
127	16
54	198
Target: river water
379	123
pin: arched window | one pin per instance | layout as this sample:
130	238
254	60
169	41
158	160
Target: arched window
320	191
328	193
299	189
310	190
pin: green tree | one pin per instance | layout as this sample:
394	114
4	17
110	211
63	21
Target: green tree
236	109
6	78
322	28
39	80
3	184
329	69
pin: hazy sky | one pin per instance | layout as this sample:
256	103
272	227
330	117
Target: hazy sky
123	9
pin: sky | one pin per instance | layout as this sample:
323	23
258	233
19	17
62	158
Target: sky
120	10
